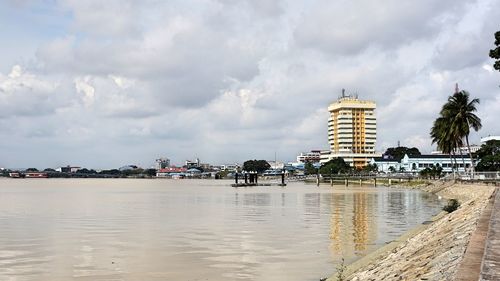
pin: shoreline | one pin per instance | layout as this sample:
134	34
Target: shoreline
430	251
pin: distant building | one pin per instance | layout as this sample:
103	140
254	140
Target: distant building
229	167
14	175
68	169
313	156
488	138
192	164
193	172
385	164
276	165
35	175
464	150
169	171
162	163
352	131
418	163
205	166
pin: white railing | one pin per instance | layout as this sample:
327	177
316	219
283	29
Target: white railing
486	176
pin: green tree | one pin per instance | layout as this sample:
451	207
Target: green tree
370	168
435	171
495	53
150	172
114	172
86	171
425	173
399	152
461	114
32	170
489	156
309	169
334	166
392	169
256	165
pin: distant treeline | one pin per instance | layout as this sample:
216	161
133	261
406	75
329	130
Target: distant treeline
89	173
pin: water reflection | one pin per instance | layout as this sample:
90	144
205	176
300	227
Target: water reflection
360	222
194	230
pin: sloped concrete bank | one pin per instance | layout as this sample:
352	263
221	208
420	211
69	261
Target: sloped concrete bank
429	252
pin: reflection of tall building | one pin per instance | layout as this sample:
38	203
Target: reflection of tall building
352	229
336	224
360	222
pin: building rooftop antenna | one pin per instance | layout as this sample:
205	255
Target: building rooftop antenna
456	88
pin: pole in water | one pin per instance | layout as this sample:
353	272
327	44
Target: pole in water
256	177
359	181
236	177
317	179
246	178
283	178
331	181
346	182
375	181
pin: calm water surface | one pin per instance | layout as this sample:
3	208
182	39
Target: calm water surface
119	229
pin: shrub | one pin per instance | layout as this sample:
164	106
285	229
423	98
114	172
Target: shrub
451	206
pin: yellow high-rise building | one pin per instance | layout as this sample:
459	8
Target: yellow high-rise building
352	131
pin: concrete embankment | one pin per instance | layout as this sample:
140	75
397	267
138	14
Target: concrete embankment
433	251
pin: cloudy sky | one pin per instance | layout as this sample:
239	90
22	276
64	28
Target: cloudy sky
107	83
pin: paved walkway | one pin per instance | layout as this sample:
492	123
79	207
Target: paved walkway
470	267
490	269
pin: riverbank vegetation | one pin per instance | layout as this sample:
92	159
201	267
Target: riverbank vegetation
488	156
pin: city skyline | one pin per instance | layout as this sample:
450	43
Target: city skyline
122	82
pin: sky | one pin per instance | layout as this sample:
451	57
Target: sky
103	84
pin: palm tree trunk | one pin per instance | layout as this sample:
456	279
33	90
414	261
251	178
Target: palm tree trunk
455	159
463	160
452	168
470	154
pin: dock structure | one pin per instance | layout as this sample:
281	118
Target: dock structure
251	178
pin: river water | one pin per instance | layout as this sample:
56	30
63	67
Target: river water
121	229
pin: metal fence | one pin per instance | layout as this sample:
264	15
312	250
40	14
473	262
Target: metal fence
479	176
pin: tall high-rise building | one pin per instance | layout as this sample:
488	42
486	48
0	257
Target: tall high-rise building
352	130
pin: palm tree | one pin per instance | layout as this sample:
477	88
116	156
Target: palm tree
446	139
460	111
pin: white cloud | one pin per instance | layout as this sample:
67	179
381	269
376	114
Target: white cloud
83	86
228	80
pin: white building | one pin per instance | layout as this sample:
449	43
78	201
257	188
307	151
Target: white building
229	167
384	165
416	164
68	169
313	156
420	162
162	163
352	131
488	138
276	165
464	150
